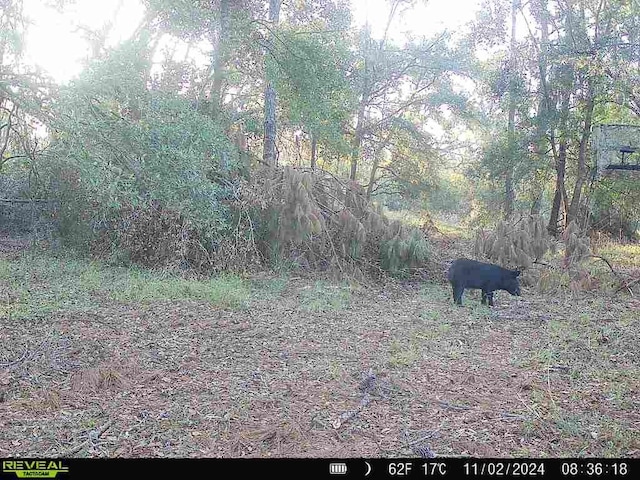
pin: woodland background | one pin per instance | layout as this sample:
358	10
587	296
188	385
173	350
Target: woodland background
228	235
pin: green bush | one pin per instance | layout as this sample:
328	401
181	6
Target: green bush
140	166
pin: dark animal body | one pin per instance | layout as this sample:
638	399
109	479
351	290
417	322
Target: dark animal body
465	273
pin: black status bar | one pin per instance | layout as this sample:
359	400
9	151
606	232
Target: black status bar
365	468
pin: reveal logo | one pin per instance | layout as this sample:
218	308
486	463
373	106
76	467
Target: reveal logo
34	468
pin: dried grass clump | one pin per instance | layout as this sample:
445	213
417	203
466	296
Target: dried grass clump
519	243
105	377
526	241
312	219
577	245
290	216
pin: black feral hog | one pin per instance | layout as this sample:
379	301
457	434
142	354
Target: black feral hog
465	273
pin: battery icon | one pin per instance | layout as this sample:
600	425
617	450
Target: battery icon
337	468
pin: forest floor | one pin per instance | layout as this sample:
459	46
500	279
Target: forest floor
110	362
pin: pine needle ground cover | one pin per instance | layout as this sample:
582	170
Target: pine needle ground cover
104	362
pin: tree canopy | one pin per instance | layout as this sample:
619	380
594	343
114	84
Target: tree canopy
204	95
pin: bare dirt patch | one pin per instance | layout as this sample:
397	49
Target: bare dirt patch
11	245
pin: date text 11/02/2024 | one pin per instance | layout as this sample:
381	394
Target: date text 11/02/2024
441	469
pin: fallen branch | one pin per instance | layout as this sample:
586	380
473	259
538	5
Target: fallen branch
93	435
22	200
627	285
346	416
24	355
529	408
623	283
607	262
553	402
559	368
27	354
513	415
545	264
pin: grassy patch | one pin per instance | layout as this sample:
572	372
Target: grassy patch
323	297
37	285
451	230
403	354
142	286
434	293
41	285
617	438
269	287
480	312
551	281
626	256
408	217
570	425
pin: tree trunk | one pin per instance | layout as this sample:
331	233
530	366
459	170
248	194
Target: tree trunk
372	177
269	149
509	192
360	119
357	139
314	151
508	184
542	124
219	40
559	199
298	143
243	150
582	156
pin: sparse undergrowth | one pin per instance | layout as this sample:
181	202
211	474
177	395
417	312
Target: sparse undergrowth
322	297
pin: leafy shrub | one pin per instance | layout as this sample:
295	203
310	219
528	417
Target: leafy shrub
402	249
614	207
137	166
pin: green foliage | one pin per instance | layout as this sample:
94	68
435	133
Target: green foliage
308	69
401	250
451	194
129	143
412	166
555	85
12	28
119	146
182	17
615	203
497	156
